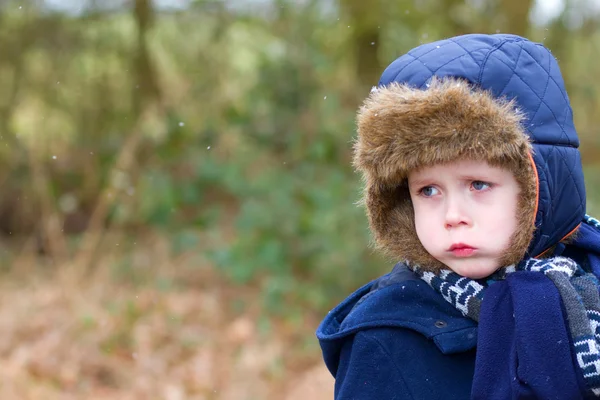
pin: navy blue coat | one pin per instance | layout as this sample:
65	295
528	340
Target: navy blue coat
396	338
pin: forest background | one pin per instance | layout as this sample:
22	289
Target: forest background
178	209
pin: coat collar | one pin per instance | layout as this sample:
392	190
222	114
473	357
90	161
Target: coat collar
400	300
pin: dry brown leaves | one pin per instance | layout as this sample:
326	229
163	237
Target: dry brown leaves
99	339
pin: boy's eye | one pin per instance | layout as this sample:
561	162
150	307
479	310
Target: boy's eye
480	185
429	191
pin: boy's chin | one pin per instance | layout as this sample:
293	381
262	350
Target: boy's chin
473	269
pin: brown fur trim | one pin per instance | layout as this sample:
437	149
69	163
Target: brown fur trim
401	128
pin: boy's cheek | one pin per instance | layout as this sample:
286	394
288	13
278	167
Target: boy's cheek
426	217
426	232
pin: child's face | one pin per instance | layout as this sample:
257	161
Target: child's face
465	214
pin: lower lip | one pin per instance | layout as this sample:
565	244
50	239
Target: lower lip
463	252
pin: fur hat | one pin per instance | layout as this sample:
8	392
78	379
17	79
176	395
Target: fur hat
402	128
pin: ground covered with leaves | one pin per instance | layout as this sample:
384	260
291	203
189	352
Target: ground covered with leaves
170	331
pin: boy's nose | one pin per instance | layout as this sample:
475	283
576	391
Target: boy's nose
455	216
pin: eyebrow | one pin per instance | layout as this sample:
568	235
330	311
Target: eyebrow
419	182
429	180
482	177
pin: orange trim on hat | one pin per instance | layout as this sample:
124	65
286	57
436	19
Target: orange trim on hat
566	236
537	186
537	201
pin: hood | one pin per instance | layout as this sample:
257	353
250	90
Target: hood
499	98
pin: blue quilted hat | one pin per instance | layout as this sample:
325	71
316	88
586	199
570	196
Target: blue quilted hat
499	98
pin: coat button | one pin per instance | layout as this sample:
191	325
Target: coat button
440	324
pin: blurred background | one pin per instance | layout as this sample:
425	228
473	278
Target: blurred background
177	207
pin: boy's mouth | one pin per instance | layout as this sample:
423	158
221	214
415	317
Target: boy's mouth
462	250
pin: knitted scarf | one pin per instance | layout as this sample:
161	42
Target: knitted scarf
577	287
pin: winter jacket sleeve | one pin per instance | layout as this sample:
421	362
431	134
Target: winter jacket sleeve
368	371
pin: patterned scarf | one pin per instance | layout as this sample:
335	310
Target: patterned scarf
578	289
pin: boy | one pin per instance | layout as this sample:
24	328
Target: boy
474	185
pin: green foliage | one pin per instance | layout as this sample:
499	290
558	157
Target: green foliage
298	227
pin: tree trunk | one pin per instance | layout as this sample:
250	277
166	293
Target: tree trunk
364	19
147	86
